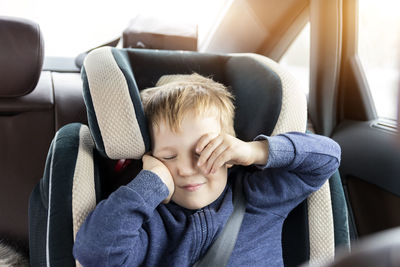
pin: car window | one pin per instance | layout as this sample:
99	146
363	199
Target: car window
74	26
378	50
297	58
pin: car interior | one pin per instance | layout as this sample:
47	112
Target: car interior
267	87
40	95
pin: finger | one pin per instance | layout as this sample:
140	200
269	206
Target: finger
147	161
145	157
215	154
222	159
210	147
204	140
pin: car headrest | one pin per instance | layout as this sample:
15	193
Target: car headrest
115	112
21	56
267	99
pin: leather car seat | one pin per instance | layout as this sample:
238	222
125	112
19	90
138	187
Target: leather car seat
33	104
26	123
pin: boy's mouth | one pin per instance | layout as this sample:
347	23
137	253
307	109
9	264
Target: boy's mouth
192	187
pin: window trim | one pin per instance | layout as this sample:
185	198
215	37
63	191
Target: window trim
352	66
353	81
285	41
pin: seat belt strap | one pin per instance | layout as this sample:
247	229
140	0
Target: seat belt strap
220	251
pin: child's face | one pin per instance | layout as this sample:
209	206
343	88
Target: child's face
193	188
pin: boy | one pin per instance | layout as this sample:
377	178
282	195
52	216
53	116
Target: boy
174	209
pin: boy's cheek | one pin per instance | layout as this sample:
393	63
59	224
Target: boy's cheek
169	166
221	173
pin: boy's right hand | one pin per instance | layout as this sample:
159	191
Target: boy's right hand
152	164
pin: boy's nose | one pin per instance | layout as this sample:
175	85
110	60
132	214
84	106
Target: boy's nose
187	167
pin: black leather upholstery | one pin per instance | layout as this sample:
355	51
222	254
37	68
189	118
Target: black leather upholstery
26	123
21	56
32	108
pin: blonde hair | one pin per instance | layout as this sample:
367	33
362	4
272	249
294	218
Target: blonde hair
177	95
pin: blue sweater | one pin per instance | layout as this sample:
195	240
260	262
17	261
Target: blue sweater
132	228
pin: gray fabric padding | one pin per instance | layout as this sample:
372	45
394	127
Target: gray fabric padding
320	220
108	87
91	115
83	188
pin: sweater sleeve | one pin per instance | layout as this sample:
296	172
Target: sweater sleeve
112	234
298	164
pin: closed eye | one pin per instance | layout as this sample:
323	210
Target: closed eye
169	157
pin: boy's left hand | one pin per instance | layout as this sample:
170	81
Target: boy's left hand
215	151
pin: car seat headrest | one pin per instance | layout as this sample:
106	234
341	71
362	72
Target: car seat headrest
21	56
108	82
267	99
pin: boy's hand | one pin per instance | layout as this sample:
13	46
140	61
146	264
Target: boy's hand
215	151
150	163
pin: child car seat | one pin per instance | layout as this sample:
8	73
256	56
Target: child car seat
267	99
